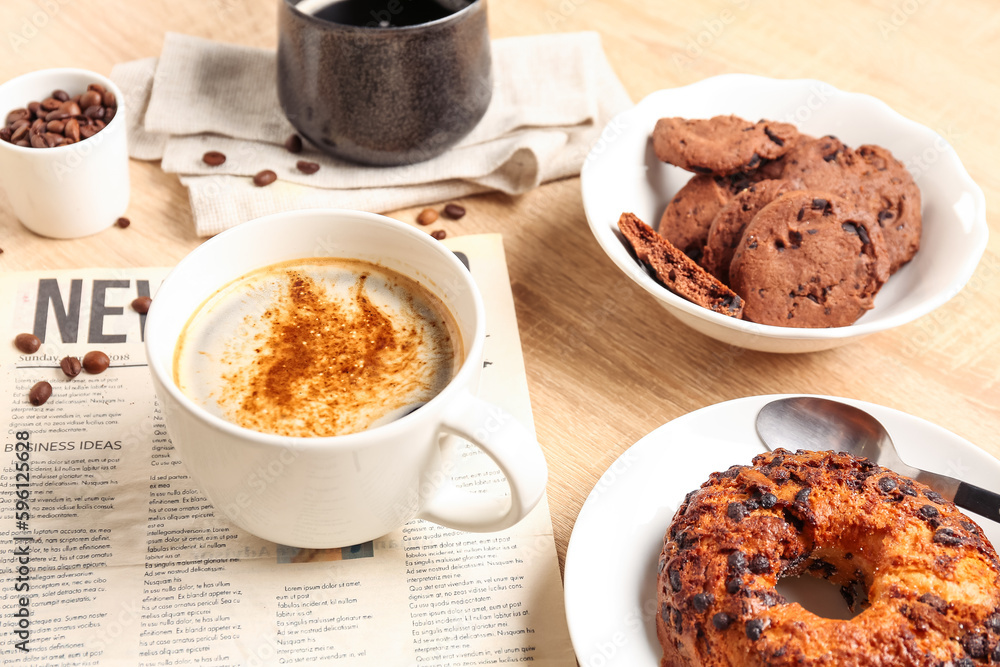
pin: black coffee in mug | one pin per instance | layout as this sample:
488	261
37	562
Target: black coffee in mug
382	13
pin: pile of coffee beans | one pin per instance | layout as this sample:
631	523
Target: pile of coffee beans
94	362
429	216
267	176
60	119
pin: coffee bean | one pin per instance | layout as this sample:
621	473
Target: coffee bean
427	216
6	134
72	129
19	131
109	100
454	211
70	107
95	362
123	222
60	95
91	98
293	144
71	366
50	104
53	139
56	115
213	158
439	234
141	304
265	177
40	392
307	167
16	115
97	88
27	343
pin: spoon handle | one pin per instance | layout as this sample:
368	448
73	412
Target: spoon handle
979	500
968	496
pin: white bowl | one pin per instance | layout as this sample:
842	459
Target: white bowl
622	173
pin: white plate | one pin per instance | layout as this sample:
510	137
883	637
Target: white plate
622	173
610	578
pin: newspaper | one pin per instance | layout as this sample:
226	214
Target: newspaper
113	555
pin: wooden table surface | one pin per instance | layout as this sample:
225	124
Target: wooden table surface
605	364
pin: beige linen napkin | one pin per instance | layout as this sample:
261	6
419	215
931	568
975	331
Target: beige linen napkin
552	96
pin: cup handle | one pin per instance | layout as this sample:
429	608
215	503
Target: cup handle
515	451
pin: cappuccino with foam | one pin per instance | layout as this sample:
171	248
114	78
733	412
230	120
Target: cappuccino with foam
317	347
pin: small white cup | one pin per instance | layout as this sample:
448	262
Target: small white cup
342	490
65	191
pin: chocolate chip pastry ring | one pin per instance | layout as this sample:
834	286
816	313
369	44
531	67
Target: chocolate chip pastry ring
925	575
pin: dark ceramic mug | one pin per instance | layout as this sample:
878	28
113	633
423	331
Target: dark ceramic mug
384	82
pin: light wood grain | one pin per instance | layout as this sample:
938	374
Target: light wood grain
605	364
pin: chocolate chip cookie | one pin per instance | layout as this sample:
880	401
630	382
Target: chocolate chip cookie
869	176
722	145
890	192
689	214
728	225
809	259
675	270
814	164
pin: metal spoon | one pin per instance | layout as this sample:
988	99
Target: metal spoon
819	424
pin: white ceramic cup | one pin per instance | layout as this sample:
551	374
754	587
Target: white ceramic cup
65	191
342	490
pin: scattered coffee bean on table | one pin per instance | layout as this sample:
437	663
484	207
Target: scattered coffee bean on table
454	211
27	343
293	144
60	120
427	216
95	362
71	366
123	222
40	392
141	304
265	177
213	158
439	234
307	167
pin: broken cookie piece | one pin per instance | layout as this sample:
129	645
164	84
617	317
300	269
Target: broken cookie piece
676	271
